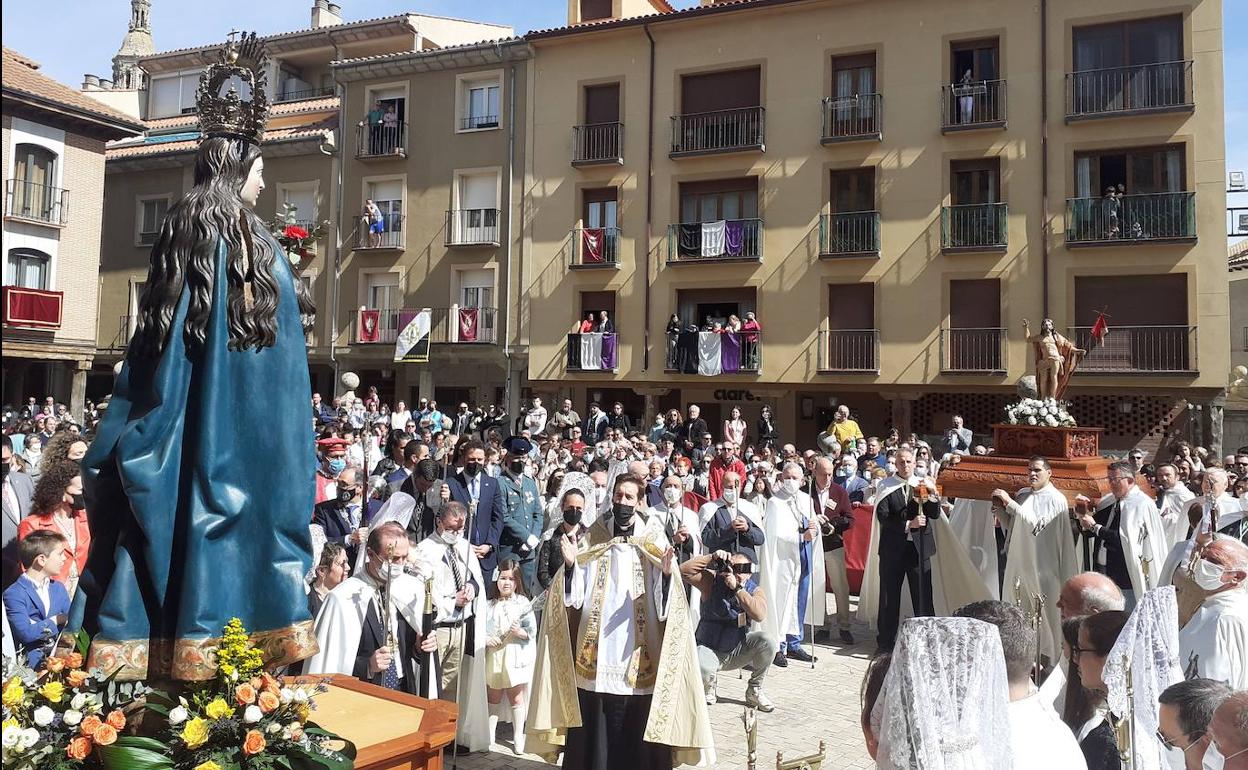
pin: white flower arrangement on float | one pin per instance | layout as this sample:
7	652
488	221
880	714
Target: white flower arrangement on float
1048	412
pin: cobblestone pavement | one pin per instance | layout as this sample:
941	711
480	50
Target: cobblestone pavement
811	705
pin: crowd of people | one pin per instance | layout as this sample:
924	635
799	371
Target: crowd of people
582	569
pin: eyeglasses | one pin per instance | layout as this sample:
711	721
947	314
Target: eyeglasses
1169	744
1076	651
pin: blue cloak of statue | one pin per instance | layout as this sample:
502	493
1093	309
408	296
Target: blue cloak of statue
200	487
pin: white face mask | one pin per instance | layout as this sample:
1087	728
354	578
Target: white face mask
390	571
730	496
451	537
1208	575
792	486
672	495
600	496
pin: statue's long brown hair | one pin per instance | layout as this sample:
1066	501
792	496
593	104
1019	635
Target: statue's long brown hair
185	254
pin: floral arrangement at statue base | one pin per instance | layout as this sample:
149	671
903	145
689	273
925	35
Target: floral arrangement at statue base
1048	412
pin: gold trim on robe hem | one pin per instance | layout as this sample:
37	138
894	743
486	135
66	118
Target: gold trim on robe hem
195	660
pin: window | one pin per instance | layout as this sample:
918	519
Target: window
175	94
974	342
713	91
975	182
480	107
476	220
26	268
720	199
382	293
595	9
852	108
151	213
853	190
601	208
388	196
1142	42
978	57
1139	171
476	290
32	192
302	198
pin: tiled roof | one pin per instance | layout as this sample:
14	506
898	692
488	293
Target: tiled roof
21	77
277	110
274	136
1238	256
282	35
427	52
670	15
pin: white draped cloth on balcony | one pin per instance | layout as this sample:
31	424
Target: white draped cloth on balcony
591	351
713	238
709	362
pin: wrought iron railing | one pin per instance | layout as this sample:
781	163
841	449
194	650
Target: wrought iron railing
974	226
849	350
306	93
684	353
595	247
740	128
1135	88
378	140
1131	218
125	330
36	202
972	350
472	227
387	234
1137	350
860	116
598	143
452	325
849	233
710	241
470	122
593	352
980	104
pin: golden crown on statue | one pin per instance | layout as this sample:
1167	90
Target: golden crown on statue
232	99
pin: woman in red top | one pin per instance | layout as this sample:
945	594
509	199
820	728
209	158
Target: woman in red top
587	326
57	506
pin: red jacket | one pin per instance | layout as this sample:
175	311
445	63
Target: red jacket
715	480
44	521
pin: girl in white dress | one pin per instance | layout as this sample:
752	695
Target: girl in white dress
511	650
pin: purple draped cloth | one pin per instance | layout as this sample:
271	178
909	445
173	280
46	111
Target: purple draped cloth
608	351
730	352
734	237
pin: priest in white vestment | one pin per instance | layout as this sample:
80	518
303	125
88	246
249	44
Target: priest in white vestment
1124	538
1219	512
1172	501
1214	643
792	566
1040	550
683	531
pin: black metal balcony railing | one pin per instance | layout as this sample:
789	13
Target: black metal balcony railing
125	330
683	353
472	227
852	233
974	351
980	104
36	202
387	234
1137	350
1138	88
733	239
447	325
742	128
593	352
848	118
597	143
306	93
849	350
973	227
380	141
473	122
595	247
1131	218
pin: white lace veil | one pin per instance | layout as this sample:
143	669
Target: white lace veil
945	702
1150	641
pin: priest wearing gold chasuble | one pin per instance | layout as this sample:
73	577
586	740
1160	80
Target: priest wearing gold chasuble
617	684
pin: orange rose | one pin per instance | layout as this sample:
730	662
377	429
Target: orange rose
55	665
269	683
269	702
245	694
77	678
257	682
90	724
116	719
105	735
78	748
254	743
74	660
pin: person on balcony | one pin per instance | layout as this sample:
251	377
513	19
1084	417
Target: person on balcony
966	101
587	326
374	223
673	337
750	329
390	131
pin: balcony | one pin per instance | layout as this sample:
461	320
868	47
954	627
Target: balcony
856	118
1126	219
703	133
972	106
125	330
974	227
472	227
598	143
594	247
849	234
306	93
732	240
32	308
380	141
37	203
593	353
1138	350
447	325
1124	91
714	353
972	351
478	122
387	234
851	351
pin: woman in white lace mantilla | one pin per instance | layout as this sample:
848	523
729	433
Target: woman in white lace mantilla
945	704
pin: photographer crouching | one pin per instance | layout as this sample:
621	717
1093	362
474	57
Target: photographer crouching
730	634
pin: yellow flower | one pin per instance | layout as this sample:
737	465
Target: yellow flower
217	708
209	765
195	733
13	692
53	691
10	724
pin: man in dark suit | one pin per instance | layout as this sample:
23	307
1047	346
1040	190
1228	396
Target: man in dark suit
595	425
462	422
605	325
484	500
690	433
906	545
341	517
19	489
420	485
36	605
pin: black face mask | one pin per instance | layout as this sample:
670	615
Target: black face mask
517	467
346	494
572	516
472	469
4	471
79	504
623	515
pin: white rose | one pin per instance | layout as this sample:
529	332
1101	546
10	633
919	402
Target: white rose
1031	420
9	737
72	717
28	737
301	695
43	716
274	728
177	716
252	714
287	695
78	701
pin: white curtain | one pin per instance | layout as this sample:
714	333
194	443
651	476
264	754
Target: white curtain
1083	177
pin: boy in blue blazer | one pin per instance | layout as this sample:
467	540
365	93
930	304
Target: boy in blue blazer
37	606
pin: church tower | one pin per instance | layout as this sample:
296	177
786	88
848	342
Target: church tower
138	42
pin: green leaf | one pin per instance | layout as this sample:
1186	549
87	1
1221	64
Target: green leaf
135	753
82	643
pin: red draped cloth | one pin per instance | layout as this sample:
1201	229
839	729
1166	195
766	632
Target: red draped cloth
468	324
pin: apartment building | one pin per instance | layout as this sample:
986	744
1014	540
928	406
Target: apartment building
307	148
892	187
1236	418
53	160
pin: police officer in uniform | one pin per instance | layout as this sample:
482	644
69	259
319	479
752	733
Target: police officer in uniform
524	517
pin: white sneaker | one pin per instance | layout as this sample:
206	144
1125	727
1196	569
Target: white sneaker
757	700
712	693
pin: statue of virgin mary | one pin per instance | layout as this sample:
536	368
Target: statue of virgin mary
199	483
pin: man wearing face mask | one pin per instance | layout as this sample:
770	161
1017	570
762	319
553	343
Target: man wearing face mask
833	511
793	571
680	524
482	498
1214	643
573	522
1228	734
333	462
522	522
19	489
1185	710
731	523
341	518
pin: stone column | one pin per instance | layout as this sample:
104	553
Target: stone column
424	383
652	396
78	389
902	411
1211	423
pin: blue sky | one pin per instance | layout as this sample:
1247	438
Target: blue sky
73	37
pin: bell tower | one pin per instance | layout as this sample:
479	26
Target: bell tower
138	43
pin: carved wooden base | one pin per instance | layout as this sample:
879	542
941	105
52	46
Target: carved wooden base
975	476
1051	443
